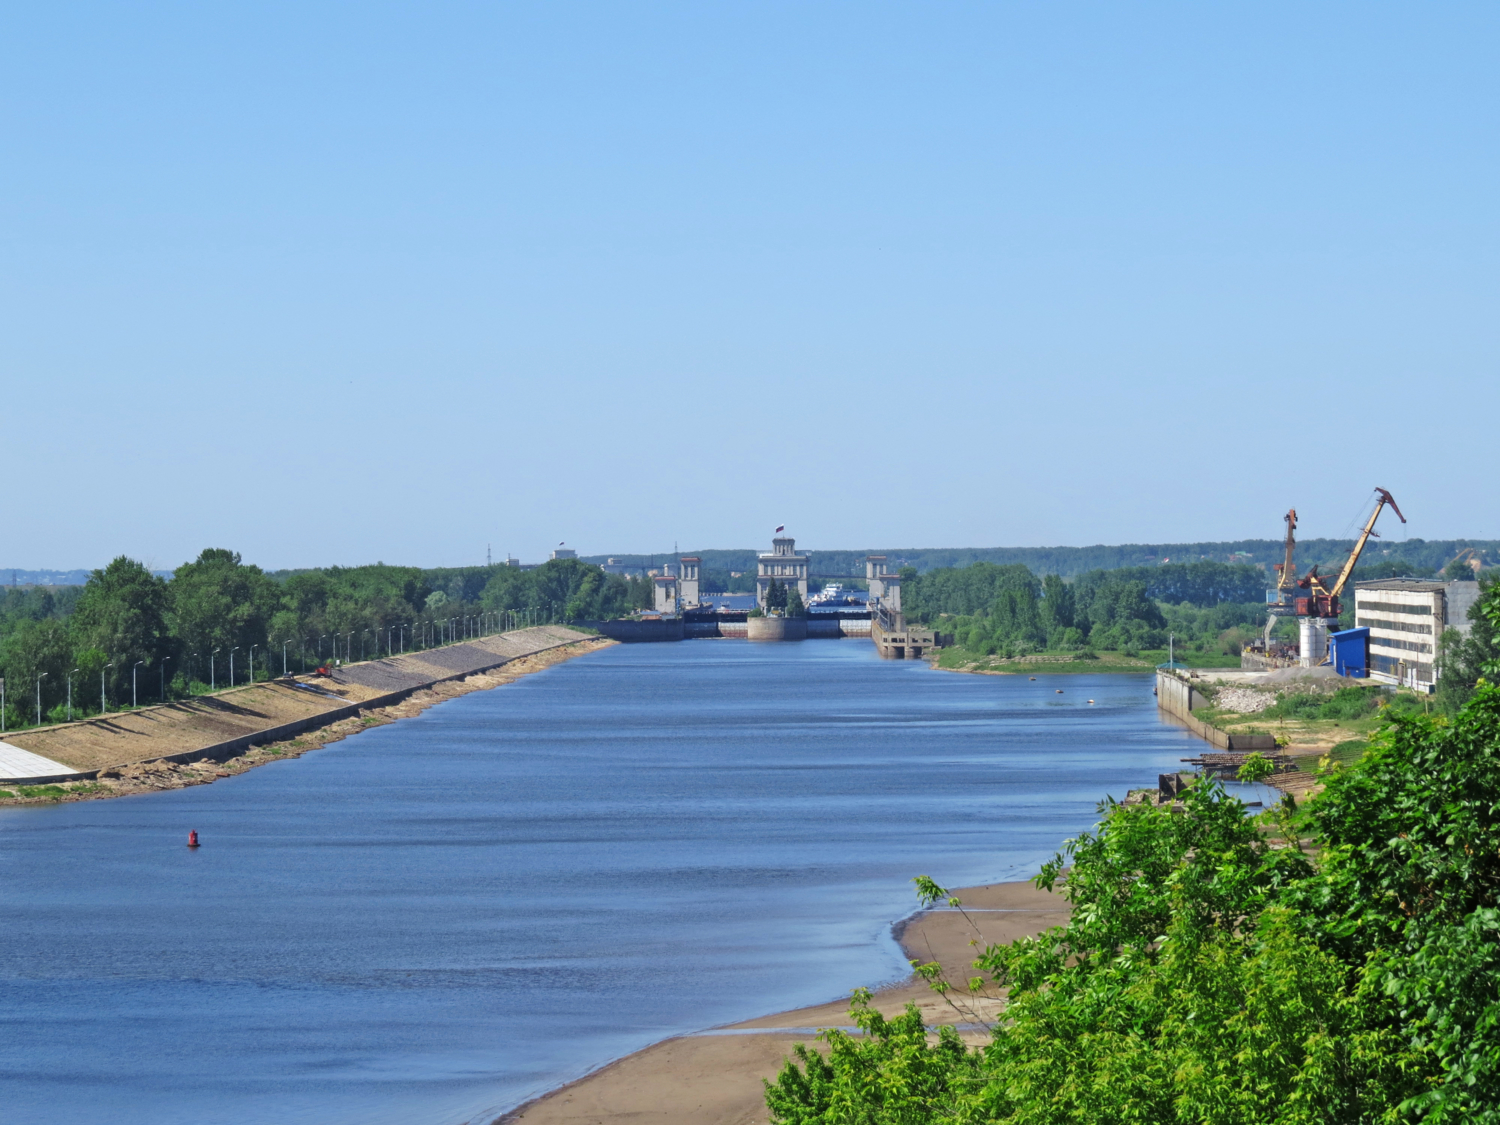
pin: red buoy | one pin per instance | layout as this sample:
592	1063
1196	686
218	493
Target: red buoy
193	838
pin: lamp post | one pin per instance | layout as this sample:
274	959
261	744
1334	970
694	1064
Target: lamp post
39	680
103	701
283	658
401	636
70	695
192	671
133	672
251	680
389	647
232	651
213	684
365	633
320	646
164	660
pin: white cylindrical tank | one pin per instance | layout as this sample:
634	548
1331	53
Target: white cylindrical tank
1313	641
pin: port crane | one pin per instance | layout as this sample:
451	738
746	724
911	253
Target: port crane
1286	580
1322	600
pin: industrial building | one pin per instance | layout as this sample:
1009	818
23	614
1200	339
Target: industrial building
1406	618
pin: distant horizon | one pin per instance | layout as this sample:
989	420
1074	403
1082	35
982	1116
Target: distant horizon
1316	546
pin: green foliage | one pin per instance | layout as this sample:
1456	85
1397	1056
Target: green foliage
124	611
794	606
217	602
1256	767
972	590
569	589
776	596
1211	973
1463	660
1345	704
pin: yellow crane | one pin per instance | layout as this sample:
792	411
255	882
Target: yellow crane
1286	573
1322	599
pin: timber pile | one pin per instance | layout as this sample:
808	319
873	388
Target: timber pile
1227	765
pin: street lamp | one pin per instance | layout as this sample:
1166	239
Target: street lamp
213	684
164	660
70	695
39	680
320	646
232	651
283	658
192	671
138	663
103	702
251	680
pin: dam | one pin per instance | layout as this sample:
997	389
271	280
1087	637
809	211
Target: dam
681	611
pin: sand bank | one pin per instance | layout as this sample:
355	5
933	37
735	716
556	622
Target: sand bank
714	1078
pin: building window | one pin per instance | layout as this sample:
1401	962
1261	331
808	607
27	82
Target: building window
1409	646
1394	607
1394	626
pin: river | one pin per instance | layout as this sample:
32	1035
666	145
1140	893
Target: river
436	919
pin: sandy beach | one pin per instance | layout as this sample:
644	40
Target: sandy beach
714	1078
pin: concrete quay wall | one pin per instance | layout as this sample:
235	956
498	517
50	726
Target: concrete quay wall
1179	698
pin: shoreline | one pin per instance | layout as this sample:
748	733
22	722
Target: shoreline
150	775
713	1076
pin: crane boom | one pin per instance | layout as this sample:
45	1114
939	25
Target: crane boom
1322	600
1288	575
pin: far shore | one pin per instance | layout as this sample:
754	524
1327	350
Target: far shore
714	1077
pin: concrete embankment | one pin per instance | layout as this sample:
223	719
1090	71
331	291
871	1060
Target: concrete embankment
222	726
1179	698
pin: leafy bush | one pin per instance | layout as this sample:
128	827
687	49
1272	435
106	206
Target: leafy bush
1345	704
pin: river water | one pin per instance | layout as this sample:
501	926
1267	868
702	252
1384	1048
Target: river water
436	919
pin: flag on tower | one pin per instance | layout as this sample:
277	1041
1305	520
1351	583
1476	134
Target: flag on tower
780	529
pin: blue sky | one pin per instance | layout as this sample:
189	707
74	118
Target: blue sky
327	283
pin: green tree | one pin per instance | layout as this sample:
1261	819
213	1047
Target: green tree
794	606
1057	603
776	595
36	655
1462	660
123	613
218	602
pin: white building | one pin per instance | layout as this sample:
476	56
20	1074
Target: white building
1406	617
565	553
884	583
783	564
666	593
687	583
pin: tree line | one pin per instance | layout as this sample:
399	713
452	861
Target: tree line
129	636
992	608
